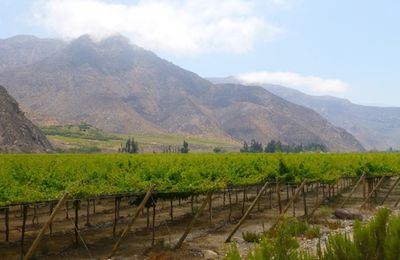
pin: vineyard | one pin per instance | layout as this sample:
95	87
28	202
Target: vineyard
33	178
32	185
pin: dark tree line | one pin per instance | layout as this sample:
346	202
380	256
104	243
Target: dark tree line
177	149
278	147
130	146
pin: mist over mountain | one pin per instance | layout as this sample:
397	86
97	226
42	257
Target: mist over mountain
120	87
377	128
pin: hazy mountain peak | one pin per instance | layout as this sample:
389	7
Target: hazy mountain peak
119	87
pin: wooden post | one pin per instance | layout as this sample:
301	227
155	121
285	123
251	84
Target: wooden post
191	204
190	226
230	205
24	213
294	203
278	193
244	199
87	212
223	200
305	202
247	212
258	203
237	198
153	225
128	227
317	207
35	216
390	190
42	231
66	210
364	188
51	223
6	220
171	208
270	197
147	218
353	190
397	203
210	210
287	192
115	217
76	206
373	190
94	206
296	194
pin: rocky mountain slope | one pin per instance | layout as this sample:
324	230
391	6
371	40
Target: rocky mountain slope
375	127
122	88
17	133
251	112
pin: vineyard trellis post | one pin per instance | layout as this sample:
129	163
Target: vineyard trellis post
210	210
373	190
128	227
42	231
153	225
361	179
390	190
190	226
303	191
278	193
294	197
318	205
6	220
247	212
51	212
24	213
230	204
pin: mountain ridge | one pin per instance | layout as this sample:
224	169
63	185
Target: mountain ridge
120	87
377	128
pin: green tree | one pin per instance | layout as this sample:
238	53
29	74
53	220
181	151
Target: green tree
245	148
185	147
131	146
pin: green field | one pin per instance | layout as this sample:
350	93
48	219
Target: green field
30	178
86	138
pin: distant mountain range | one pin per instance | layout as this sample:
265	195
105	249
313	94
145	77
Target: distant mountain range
377	128
17	133
122	88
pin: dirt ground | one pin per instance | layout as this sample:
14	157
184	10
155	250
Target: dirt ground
206	240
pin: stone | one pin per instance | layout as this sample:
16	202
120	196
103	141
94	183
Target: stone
348	214
210	255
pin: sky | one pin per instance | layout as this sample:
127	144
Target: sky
344	48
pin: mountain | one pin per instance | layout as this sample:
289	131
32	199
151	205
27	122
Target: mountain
377	128
25	49
17	133
119	87
252	112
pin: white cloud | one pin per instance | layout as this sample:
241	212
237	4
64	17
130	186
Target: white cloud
174	26
308	84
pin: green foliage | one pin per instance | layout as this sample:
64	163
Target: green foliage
131	146
83	131
31	178
232	252
276	146
251	237
377	240
185	147
218	150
